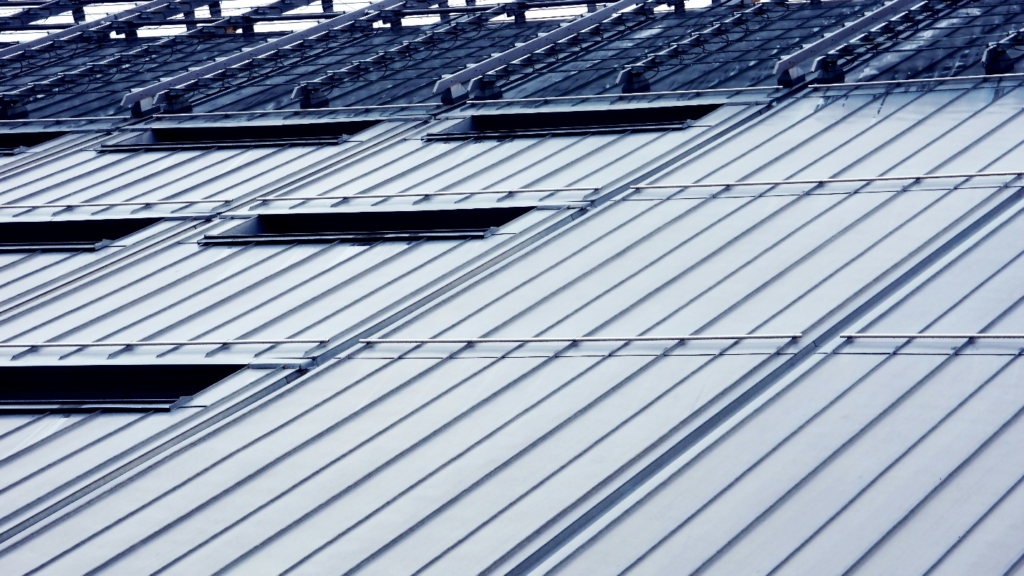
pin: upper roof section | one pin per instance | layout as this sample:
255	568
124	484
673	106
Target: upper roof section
289	54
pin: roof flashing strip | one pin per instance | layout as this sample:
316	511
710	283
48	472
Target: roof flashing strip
687	337
150	92
1014	173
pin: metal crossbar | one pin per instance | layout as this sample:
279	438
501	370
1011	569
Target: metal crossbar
153	89
829	180
531	46
21	47
425	194
934	336
43	11
908	81
650	61
381	59
579	339
156	343
840	36
107	204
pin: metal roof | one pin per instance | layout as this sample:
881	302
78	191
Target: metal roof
874	449
731	327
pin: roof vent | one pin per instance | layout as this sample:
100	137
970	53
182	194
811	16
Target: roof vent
240	135
66	235
115	387
575	122
368	226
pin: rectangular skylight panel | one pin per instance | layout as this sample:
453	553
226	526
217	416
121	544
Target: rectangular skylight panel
114	387
576	122
11	142
224	135
369	226
67	235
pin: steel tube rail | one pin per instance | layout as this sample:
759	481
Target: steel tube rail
155	343
528	5
154	89
661	93
43	3
934	336
181	9
423	194
840	36
649	61
910	81
17	48
579	339
102	204
309	89
531	46
828	180
41	12
186	21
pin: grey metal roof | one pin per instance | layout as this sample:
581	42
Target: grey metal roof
778	224
879	456
294	283
742	56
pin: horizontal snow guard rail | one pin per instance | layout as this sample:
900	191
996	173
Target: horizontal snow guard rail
828	180
418	194
155	343
580	339
935	336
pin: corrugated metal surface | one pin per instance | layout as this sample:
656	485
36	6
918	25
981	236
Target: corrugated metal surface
88	175
49	460
27	274
771	259
738	57
449	459
811	455
870	463
881	458
370	450
179	290
182	291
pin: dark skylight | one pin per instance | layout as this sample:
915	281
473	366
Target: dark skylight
116	387
11	142
66	235
575	122
241	135
368	226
